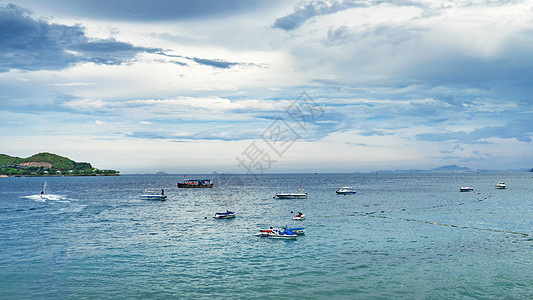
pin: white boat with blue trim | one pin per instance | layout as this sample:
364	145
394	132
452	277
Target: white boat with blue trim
299	194
153	195
346	191
224	215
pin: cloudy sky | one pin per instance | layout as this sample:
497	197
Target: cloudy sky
269	85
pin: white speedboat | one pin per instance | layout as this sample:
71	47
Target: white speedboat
346	191
224	215
466	189
500	185
299	217
299	194
152	195
282	234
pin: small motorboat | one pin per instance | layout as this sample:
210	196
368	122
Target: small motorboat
152	195
500	185
298	231
466	189
224	215
282	234
299	194
299	217
346	191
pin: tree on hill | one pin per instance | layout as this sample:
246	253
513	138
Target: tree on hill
47	163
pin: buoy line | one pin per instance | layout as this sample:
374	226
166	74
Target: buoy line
429	207
377	214
443	224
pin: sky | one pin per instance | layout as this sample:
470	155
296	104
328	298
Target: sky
269	86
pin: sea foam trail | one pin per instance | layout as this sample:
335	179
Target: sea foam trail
46	197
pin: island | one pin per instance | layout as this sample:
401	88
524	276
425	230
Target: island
48	164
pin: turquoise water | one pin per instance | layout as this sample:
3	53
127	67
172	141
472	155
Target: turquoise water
95	239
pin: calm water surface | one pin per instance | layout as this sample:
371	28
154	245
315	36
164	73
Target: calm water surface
94	238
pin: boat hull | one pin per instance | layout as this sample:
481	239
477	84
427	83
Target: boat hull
345	193
154	197
282	234
191	186
291	196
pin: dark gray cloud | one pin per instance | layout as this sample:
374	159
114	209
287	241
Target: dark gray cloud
312	9
154	10
29	44
521	129
214	63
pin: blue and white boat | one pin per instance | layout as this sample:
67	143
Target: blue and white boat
153	195
346	191
298	230
224	215
282	234
268	232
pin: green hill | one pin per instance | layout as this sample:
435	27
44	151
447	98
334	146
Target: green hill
45	163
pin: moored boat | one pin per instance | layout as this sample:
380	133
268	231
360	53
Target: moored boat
224	215
299	194
346	191
298	230
267	232
196	183
153	195
501	185
466	189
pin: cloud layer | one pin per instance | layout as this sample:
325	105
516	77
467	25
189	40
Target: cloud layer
402	83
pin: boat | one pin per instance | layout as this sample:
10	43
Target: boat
298	230
500	185
267	232
224	215
299	194
282	234
153	195
196	183
299	217
466	189
346	191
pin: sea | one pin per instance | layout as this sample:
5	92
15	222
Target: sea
402	236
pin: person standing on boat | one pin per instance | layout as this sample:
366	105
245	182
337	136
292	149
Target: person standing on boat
162	192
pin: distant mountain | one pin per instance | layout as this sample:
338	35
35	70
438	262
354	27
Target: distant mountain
450	169
161	173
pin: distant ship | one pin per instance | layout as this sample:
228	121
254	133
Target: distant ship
196	183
